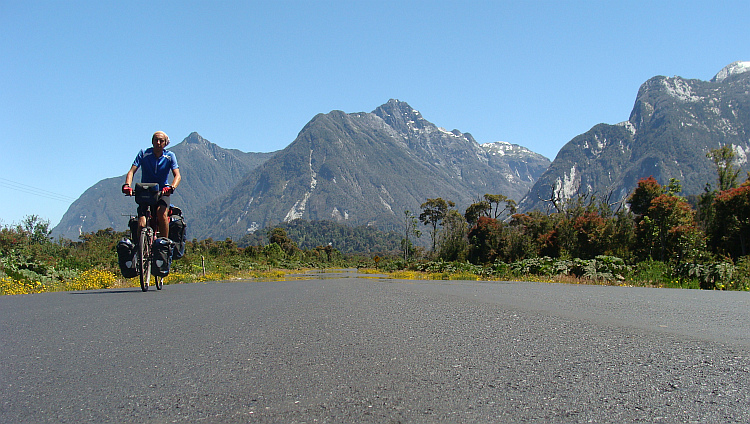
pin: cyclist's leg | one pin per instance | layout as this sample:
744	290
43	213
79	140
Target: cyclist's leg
142	220
162	216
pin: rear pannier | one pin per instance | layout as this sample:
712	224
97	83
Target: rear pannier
161	256
177	235
127	257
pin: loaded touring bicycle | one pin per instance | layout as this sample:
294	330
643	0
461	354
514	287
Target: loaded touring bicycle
149	254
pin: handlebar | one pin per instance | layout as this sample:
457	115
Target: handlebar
160	192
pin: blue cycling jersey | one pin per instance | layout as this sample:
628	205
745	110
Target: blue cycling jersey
153	169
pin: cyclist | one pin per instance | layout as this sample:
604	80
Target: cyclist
156	162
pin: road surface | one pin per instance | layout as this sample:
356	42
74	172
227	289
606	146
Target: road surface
348	348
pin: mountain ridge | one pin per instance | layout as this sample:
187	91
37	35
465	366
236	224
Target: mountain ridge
673	124
365	169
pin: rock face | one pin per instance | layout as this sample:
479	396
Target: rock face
367	169
674	123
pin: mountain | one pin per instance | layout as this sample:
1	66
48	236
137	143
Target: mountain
366	169
207	170
673	124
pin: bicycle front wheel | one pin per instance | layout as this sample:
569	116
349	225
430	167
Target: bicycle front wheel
144	256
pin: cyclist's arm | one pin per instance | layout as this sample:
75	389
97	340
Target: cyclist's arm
177	178
130	174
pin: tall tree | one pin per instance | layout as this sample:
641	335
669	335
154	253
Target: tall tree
723	158
410	230
454	243
500	204
485	239
433	213
727	173
475	210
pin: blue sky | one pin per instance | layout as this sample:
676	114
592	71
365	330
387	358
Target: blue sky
84	84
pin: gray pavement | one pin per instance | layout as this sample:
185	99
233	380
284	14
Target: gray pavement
340	348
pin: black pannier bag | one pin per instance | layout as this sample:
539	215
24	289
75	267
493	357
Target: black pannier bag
147	193
127	257
177	234
161	256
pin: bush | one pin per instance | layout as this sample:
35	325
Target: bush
9	286
651	273
92	280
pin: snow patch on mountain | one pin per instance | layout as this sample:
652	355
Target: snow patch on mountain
503	148
733	68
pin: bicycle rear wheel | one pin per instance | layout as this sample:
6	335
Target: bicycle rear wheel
144	256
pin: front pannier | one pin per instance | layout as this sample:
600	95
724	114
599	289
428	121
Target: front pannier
147	193
161	256
127	257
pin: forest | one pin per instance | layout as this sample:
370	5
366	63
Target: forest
653	238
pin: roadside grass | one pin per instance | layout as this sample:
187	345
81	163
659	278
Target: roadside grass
654	276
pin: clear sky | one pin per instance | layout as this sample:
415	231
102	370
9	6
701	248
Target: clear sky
84	84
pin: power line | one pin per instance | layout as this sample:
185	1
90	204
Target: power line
14	185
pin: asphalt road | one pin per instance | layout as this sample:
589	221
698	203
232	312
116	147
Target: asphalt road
343	349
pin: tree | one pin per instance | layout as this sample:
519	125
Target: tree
723	158
477	209
37	229
671	221
647	190
495	200
454	244
484	240
665	222
279	236
727	174
732	221
529	235
410	230
433	213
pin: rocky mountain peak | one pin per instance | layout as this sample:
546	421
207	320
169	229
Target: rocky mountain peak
733	68
402	117
195	138
675	121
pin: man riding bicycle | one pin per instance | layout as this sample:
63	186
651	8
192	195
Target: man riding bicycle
155	164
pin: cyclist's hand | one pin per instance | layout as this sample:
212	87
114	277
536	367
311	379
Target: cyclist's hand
127	190
167	190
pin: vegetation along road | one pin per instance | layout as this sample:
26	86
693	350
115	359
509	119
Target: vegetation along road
341	347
